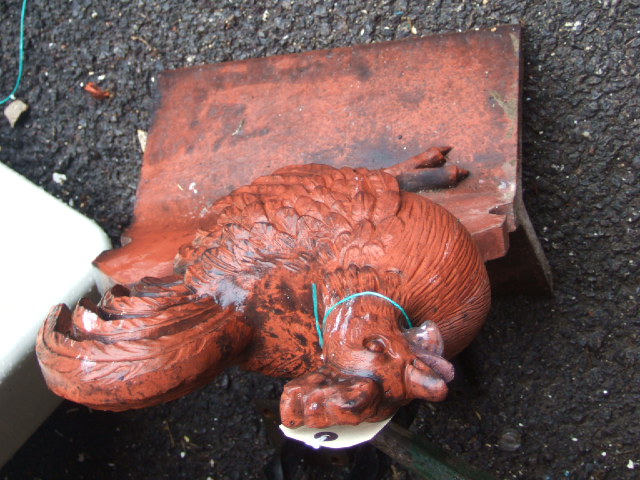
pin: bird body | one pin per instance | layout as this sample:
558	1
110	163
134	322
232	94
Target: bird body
241	293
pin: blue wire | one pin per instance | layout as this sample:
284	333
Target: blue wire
21	62
314	291
320	329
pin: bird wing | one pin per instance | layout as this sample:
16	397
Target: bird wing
299	215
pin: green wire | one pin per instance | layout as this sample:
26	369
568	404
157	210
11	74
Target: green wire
320	326
21	62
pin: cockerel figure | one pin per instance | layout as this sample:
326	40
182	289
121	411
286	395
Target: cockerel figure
342	280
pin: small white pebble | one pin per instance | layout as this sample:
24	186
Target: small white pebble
15	110
604	454
183	454
631	465
142	139
574	439
605	392
59	178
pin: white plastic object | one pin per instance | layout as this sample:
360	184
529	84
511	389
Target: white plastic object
46	250
337	436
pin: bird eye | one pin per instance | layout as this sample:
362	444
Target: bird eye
375	344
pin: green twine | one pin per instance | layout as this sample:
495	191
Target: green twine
320	327
21	61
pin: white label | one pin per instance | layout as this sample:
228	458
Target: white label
337	436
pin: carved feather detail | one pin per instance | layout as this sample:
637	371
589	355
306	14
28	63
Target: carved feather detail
243	284
310	211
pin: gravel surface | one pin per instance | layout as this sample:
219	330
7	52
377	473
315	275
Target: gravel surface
549	390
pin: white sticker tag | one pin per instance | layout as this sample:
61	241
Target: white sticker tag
337	436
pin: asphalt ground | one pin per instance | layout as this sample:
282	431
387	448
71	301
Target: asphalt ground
551	387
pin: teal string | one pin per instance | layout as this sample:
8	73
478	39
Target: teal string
320	328
21	60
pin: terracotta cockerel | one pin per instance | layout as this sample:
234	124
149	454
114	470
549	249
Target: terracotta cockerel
339	279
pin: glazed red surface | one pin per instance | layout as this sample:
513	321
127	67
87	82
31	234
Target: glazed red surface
241	294
218	127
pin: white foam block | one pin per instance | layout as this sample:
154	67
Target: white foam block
46	250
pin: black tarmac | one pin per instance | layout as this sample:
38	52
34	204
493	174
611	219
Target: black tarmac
549	390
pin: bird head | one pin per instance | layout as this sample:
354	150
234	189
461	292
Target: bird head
373	364
371	338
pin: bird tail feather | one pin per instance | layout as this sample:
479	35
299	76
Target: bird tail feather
138	347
